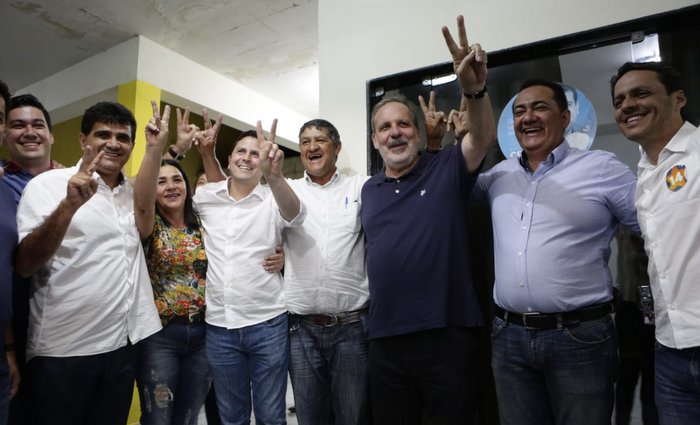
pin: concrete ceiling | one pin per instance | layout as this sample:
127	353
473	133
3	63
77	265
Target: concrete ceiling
270	46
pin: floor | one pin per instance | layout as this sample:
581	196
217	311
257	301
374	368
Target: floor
292	419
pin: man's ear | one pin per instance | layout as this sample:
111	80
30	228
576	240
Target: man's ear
679	100
566	118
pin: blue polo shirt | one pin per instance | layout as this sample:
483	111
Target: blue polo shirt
8	242
417	248
16	179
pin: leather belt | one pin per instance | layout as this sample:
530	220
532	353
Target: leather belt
332	319
188	320
540	321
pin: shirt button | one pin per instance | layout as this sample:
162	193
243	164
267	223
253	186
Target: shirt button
521	284
529	309
520	253
524	227
527	204
396	191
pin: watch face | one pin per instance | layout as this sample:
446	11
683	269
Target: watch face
580	133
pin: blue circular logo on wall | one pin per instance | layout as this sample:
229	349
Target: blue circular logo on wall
580	133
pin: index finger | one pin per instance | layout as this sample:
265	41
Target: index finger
451	45
95	162
88	157
422	104
431	102
156	112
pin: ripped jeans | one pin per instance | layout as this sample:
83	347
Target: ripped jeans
173	374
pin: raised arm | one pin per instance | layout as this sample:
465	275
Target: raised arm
41	244
271	160
146	184
435	123
206	145
470	66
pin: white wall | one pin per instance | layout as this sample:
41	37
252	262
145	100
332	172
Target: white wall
364	39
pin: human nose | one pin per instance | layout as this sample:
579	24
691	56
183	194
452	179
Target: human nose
395	130
29	131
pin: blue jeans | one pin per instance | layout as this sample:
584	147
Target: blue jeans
677	385
328	368
555	376
173	374
254	357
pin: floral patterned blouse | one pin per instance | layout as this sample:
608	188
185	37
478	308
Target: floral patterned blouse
177	265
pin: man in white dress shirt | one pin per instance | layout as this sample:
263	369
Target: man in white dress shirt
648	99
247	329
326	287
91	295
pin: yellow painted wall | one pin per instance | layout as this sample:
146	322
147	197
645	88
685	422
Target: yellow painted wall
66	147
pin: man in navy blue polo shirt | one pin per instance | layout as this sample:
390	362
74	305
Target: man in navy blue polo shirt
423	310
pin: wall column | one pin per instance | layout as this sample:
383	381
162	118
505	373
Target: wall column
137	95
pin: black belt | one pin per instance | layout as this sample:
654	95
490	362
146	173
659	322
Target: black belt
187	320
552	320
332	319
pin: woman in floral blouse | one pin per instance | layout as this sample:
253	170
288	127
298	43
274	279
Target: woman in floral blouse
173	372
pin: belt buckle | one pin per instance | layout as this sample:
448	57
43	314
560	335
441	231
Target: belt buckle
525	316
333	320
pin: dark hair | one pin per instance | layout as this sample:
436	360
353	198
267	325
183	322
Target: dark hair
5	94
557	89
108	113
29	100
669	76
190	217
396	99
321	124
247	133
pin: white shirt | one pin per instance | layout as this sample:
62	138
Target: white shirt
668	201
239	235
95	292
324	270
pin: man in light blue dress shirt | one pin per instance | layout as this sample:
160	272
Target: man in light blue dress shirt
555	210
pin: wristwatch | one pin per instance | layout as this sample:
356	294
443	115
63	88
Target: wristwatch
175	155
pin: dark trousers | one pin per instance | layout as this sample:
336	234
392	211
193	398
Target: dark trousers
83	390
424	377
636	343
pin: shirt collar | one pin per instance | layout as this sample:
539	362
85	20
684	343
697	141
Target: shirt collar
333	179
417	169
13	167
222	190
678	143
554	157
